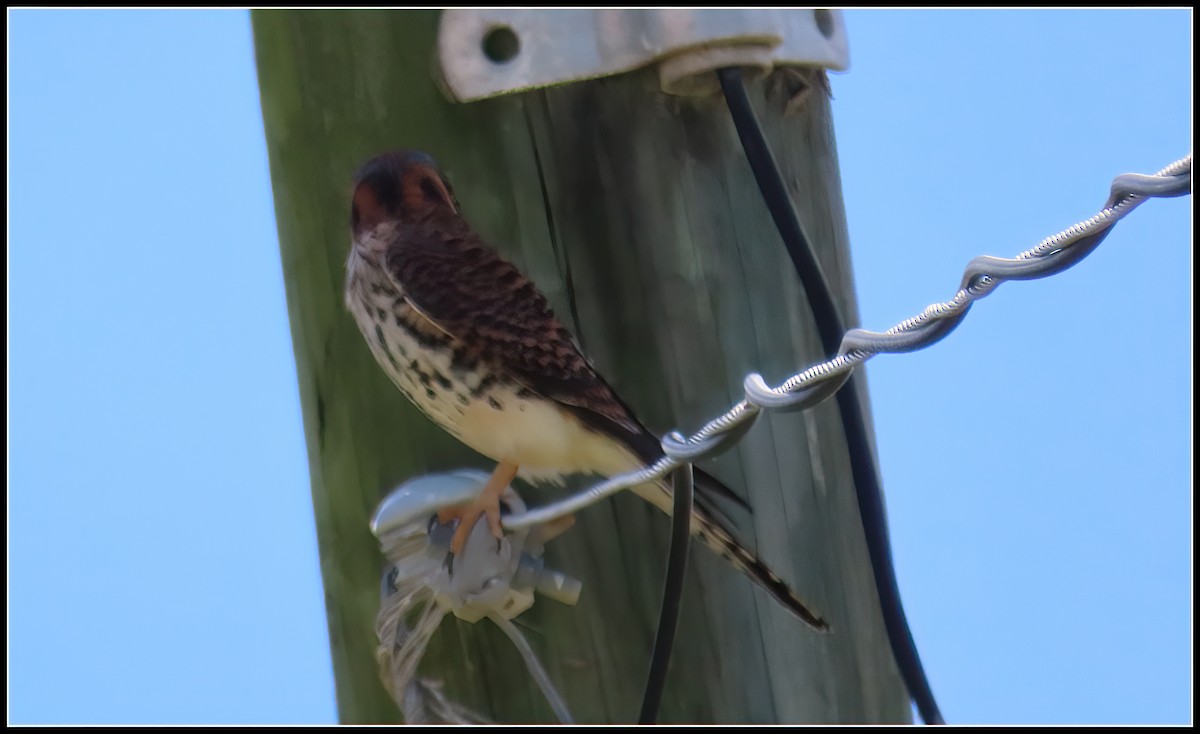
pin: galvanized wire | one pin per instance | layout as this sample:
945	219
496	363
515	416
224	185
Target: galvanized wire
817	383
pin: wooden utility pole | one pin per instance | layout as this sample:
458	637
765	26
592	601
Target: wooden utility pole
637	215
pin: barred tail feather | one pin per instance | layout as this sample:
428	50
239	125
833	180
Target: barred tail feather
718	539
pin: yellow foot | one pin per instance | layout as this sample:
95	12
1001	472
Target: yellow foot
488	503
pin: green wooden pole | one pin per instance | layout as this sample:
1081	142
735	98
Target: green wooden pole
637	215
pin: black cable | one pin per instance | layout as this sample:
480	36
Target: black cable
664	639
831	328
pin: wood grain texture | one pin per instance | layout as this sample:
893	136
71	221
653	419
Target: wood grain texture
637	216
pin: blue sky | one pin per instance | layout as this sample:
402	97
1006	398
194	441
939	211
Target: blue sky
1037	463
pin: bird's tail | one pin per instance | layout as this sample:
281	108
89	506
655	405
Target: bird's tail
710	531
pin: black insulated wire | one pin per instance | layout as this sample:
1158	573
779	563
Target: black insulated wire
664	639
831	328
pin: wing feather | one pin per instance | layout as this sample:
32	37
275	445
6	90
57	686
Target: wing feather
498	315
465	289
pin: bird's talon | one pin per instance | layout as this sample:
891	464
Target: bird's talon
468	515
493	516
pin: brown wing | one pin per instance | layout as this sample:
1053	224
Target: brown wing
501	319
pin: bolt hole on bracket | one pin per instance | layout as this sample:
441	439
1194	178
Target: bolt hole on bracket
489	52
500	44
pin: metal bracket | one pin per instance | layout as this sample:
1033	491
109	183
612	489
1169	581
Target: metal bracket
489	576
490	52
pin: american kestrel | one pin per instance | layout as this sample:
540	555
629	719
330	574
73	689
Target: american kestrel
475	346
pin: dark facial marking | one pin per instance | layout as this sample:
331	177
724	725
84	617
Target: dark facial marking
423	191
375	198
402	185
430	189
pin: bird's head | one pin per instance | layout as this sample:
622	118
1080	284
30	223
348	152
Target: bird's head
401	186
